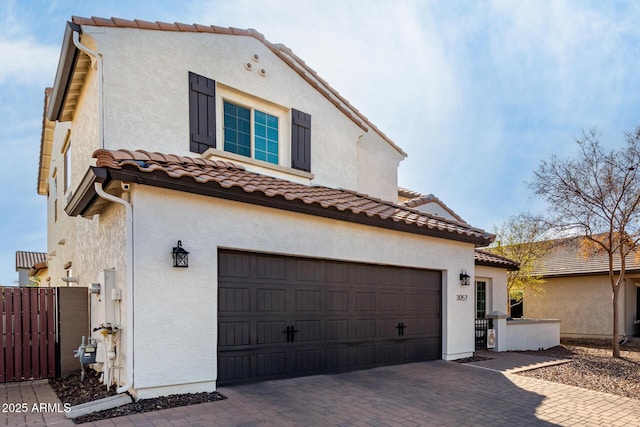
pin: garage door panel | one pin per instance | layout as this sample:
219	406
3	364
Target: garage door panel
336	329
365	355
309	361
308	271
308	330
270	332
366	301
389	301
389	353
308	300
231	299
271	268
234	265
345	316
336	272
273	300
337	300
234	333
337	358
271	365
388	328
365	328
235	367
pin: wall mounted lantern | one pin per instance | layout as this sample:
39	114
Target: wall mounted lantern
465	278
180	256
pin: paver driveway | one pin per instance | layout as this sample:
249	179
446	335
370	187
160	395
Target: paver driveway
434	393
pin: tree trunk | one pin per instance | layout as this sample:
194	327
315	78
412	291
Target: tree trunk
615	339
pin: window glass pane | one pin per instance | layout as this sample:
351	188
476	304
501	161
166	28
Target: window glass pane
261	130
237	129
266	134
272	121
261	144
481	300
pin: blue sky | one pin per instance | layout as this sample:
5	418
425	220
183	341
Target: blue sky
476	92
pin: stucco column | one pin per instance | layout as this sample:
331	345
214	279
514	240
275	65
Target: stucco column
500	325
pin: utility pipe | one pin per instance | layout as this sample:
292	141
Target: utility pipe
96	63
129	279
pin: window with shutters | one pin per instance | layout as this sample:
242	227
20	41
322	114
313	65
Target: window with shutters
247	126
251	132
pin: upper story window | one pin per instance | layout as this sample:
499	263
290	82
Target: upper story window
248	126
251	132
53	193
67	168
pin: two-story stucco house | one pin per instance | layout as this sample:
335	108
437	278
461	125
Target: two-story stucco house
301	258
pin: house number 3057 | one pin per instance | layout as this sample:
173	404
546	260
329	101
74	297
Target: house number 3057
461	297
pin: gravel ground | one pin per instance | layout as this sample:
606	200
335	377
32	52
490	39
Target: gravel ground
593	367
71	390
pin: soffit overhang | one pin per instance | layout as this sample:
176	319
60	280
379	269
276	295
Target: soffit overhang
228	181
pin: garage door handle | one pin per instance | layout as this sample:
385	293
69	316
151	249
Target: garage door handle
401	327
288	332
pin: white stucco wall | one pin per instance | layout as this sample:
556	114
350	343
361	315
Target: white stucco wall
146	101
496	279
175	314
524	334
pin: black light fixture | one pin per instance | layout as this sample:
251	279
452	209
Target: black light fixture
180	256
464	278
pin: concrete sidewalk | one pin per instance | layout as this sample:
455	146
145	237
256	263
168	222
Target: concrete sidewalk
434	393
513	362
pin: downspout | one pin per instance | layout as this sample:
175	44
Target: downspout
129	279
96	63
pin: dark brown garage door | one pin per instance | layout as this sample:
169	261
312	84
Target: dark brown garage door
285	316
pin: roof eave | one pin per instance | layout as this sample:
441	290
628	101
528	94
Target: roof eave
497	265
85	197
68	57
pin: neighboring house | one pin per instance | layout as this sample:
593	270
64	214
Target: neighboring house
577	290
31	265
301	260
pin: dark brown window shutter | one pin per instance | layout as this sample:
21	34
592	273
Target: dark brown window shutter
202	113
300	140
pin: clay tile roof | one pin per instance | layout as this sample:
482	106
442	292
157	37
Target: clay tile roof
416	200
491	260
30	259
566	259
283	52
227	175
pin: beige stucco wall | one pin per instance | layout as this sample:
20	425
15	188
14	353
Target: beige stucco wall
171	302
583	304
146	102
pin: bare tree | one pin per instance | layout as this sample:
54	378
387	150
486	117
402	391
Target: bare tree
597	195
521	238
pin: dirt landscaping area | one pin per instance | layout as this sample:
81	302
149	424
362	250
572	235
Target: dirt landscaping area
593	367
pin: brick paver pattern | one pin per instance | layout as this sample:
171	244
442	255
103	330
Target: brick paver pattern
434	393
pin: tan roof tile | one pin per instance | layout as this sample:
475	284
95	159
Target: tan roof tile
487	258
29	259
228	175
566	259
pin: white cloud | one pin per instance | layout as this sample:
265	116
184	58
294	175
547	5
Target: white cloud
27	62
